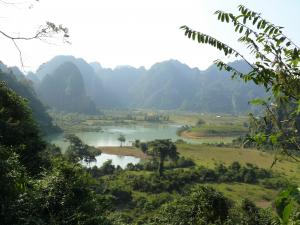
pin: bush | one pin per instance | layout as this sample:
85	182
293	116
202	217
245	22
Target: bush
275	183
121	196
200	122
203	205
175	180
106	169
181	163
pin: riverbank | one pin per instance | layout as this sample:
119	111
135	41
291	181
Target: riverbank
205	138
124	151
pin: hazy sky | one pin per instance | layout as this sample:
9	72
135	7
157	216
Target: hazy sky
131	32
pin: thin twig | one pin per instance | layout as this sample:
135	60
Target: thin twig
20	53
21	38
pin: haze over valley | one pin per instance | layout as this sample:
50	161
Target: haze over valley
71	84
148	113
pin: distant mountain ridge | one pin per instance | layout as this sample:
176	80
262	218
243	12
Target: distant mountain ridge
64	90
169	85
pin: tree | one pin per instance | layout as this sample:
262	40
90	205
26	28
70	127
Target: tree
121	139
13	182
137	143
78	151
18	131
65	196
61	193
144	147
249	214
276	68
161	150
203	205
200	122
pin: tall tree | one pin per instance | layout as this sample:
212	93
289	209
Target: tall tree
78	151
162	150
121	139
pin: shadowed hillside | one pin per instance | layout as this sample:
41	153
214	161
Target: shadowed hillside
168	85
64	90
18	83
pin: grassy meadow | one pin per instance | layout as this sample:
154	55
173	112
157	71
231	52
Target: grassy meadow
211	156
212	128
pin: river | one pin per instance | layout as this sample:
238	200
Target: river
108	136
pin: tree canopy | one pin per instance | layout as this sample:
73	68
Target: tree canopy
162	150
18	130
277	69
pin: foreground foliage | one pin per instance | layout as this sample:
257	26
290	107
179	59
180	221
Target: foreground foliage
277	69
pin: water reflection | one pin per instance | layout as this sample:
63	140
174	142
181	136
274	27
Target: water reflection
117	160
109	135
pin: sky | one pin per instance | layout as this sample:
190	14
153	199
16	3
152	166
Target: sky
131	32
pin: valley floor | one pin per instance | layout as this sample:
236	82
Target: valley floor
210	156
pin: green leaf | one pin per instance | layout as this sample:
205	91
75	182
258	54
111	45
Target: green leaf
268	28
287	213
271	31
241	29
245	20
257	101
227	18
274	138
255	20
199	37
194	35
259	24
222	18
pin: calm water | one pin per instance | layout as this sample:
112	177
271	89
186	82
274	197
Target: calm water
117	160
109	135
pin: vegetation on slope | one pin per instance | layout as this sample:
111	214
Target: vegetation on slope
24	89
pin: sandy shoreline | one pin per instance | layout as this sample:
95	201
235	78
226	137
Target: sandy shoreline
124	151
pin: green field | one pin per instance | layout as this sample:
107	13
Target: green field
219	129
210	156
216	128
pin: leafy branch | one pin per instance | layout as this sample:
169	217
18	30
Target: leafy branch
276	67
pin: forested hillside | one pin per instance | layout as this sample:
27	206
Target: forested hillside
168	85
15	80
